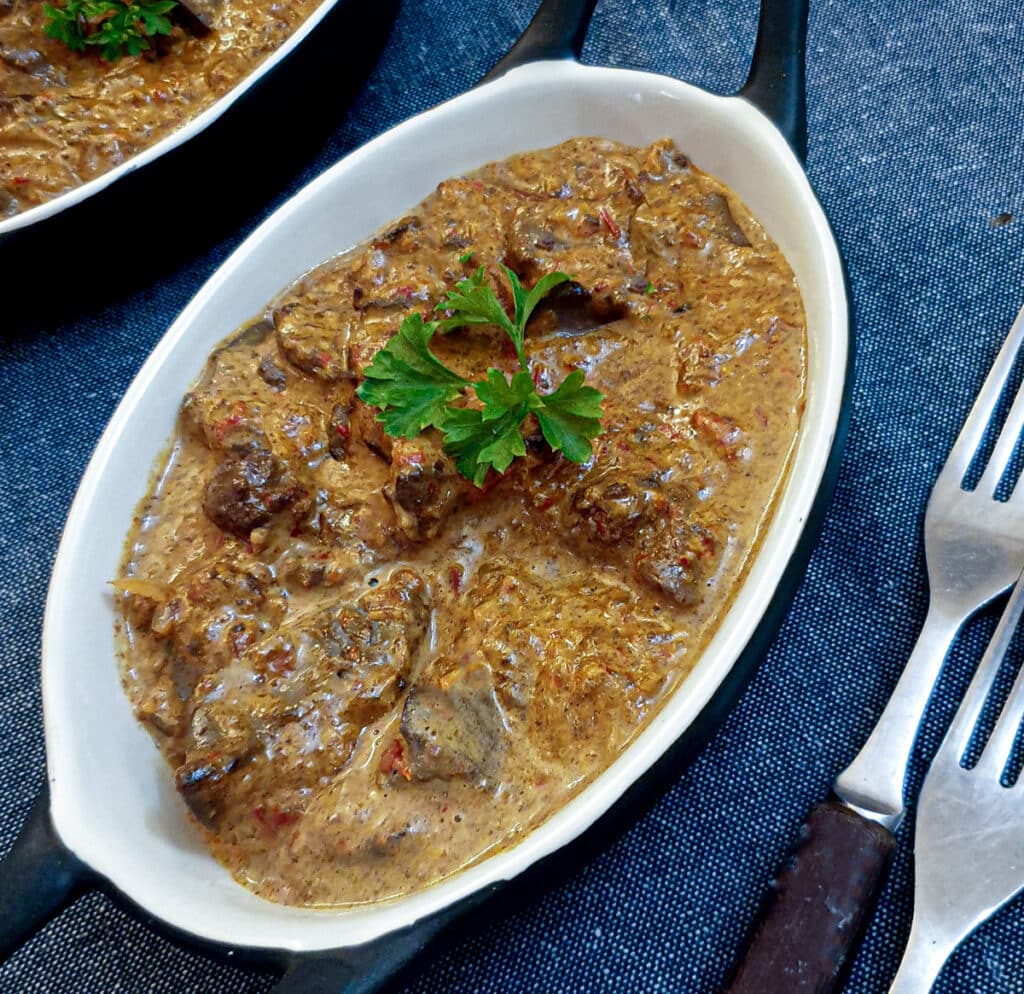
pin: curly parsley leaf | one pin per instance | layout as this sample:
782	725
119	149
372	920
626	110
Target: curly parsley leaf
415	390
62	23
473	302
570	417
118	27
526	302
478	445
410	385
498	395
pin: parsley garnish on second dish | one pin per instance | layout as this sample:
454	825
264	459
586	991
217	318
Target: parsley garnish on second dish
415	390
121	27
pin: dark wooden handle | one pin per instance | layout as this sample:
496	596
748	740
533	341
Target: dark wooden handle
819	907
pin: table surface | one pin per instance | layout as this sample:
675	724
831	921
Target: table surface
915	124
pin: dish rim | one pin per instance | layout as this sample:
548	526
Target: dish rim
544	839
179	136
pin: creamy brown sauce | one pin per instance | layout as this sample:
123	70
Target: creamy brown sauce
368	674
67	117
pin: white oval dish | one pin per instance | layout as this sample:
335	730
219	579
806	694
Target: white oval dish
177	137
113	801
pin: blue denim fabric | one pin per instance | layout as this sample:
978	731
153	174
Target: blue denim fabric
916	121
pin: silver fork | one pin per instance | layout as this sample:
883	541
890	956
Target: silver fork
974	546
969	851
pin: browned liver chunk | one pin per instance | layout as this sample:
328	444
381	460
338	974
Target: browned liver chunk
646	527
590	241
719	220
219	740
200	15
247	491
615	509
315	338
339	432
457	732
397	270
272	374
367	429
677	576
423	486
354	662
372	644
719	431
579	224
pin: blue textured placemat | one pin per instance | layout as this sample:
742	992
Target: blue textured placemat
916	143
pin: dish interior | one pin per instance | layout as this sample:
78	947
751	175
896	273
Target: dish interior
112	801
367	671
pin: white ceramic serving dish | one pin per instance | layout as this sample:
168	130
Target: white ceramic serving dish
113	802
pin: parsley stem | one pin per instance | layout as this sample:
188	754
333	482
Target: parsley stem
522	357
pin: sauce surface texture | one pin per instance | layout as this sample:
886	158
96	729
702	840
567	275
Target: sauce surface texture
67	117
367	673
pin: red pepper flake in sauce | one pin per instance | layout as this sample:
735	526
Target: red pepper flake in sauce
281	663
393	759
609	223
238	413
272	819
477	494
21	180
691	238
455	577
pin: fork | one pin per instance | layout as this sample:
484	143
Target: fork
974	547
969	851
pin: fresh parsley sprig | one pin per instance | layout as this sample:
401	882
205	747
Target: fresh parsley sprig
415	390
409	384
119	27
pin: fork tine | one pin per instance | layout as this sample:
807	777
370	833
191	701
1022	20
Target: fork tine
1000	743
959	735
981	413
1005	444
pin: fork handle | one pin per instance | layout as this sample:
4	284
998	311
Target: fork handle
922	962
874	780
819	906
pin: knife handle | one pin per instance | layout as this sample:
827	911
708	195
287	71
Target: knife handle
818	907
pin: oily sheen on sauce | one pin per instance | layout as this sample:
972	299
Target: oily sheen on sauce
367	673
